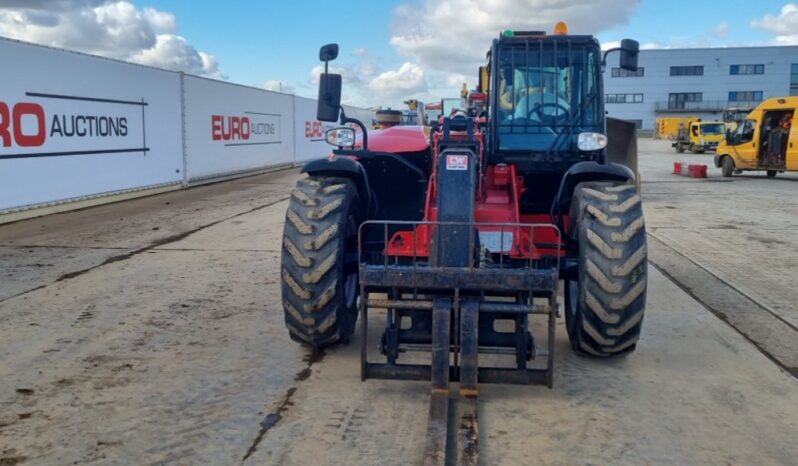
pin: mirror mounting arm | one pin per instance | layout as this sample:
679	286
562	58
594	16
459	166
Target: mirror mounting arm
629	55
607	52
345	119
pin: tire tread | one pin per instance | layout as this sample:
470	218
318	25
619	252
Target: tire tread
610	230
313	277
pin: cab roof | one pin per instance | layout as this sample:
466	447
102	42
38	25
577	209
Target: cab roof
778	103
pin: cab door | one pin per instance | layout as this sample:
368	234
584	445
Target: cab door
695	134
792	149
745	148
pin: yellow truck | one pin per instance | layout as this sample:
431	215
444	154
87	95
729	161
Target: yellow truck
765	140
699	136
668	127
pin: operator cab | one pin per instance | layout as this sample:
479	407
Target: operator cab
547	93
545	90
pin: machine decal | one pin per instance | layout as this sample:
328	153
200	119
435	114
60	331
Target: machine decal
457	162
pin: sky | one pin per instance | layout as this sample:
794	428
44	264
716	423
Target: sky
391	50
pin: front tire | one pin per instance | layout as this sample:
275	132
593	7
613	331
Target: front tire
319	261
604	308
726	166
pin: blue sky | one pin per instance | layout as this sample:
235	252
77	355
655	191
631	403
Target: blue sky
390	50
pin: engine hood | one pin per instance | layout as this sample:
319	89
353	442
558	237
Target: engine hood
398	139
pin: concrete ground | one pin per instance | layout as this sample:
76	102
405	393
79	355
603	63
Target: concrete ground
730	242
150	332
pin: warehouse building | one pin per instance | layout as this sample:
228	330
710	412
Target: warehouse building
701	82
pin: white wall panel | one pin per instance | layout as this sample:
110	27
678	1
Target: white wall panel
73	125
232	128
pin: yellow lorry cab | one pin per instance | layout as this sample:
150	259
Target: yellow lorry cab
765	140
699	136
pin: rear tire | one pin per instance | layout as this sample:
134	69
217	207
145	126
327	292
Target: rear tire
771	173
726	166
604	308
319	261
679	148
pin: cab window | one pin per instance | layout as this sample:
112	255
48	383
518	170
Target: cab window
745	132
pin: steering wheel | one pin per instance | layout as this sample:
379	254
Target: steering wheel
560	111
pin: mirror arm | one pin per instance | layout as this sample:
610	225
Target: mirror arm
607	52
327	87
345	119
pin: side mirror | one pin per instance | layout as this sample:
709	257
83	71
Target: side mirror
329	97
328	52
629	53
329	87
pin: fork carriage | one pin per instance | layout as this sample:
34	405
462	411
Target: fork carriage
454	309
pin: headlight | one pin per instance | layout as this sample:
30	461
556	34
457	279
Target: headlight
591	141
341	137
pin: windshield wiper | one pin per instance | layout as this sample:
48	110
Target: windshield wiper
569	125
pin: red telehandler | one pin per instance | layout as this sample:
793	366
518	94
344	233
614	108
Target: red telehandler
462	233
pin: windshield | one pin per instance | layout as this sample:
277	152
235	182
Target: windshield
714	128
545	91
735	115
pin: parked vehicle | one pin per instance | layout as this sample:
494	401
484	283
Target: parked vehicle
765	140
699	136
668	127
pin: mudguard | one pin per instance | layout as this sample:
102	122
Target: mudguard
393	187
344	167
588	171
620	162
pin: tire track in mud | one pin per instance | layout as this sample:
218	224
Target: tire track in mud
773	336
155	244
276	415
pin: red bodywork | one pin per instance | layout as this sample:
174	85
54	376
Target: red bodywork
397	139
497	201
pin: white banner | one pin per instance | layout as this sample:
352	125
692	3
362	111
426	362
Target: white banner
232	128
72	125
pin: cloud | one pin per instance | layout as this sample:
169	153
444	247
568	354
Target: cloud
277	85
366	84
349	74
721	30
408	79
175	53
784	26
442	42
453	35
114	29
652	46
